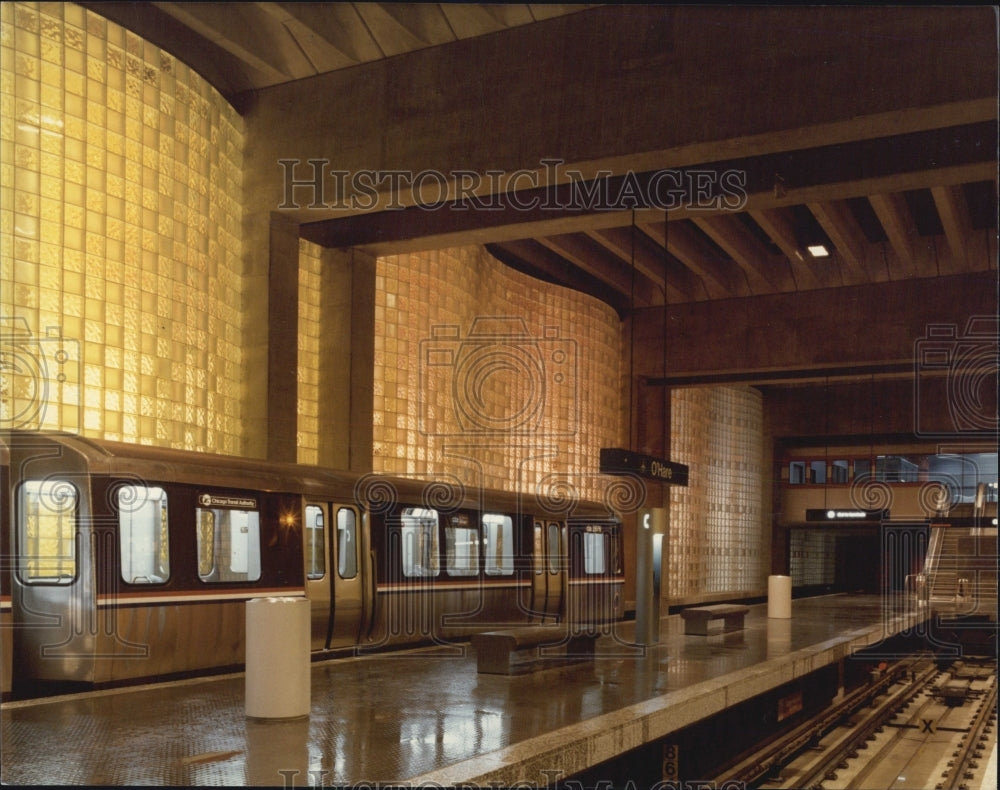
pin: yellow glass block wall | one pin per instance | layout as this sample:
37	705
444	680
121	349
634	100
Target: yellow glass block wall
120	228
717	521
491	377
310	308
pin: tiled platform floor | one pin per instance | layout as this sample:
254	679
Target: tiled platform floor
417	717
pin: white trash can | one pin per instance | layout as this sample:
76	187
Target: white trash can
277	658
779	597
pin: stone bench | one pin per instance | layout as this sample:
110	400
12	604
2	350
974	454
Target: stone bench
517	651
697	618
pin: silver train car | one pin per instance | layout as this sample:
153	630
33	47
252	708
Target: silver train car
123	563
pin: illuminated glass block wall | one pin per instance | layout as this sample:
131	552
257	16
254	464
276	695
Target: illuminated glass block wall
490	376
717	521
120	235
310	278
812	557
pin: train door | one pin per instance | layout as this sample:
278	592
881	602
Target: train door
53	594
596	574
548	577
333	580
6	560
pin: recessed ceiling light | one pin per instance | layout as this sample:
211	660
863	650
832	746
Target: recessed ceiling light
818	251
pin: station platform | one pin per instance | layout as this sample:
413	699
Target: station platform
425	717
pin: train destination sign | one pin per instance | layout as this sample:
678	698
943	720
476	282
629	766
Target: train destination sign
235	502
845	514
616	461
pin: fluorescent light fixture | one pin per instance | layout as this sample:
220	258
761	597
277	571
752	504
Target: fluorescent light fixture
818	251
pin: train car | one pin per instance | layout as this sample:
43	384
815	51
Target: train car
6	628
125	562
449	563
128	562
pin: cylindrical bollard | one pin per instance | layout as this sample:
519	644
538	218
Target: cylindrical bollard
779	637
278	753
779	596
277	660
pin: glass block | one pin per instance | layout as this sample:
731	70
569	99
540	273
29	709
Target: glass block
76	74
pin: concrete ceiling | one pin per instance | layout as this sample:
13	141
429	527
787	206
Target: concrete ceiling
241	47
890	201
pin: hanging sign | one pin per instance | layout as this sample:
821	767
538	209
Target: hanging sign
615	461
845	514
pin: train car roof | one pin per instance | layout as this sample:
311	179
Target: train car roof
105	457
159	464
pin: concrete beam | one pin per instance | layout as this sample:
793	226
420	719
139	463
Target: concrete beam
635	89
868	325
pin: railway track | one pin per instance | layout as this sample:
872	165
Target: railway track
916	727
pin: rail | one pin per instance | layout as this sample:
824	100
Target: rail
768	762
799	759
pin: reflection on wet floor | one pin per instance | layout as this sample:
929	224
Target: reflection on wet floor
391	717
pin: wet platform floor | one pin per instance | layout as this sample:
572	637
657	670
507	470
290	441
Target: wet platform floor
427	716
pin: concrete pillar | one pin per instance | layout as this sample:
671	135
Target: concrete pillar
282	339
650	545
347	360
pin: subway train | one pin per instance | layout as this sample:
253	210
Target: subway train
123	563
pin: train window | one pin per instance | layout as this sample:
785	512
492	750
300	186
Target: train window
461	550
315	543
538	548
419	534
594	552
47	516
555	547
143	544
797	473
228	544
839	471
347	542
817	472
498	544
862	468
895	469
206	543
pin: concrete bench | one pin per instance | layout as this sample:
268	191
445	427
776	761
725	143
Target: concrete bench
517	651
697	618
